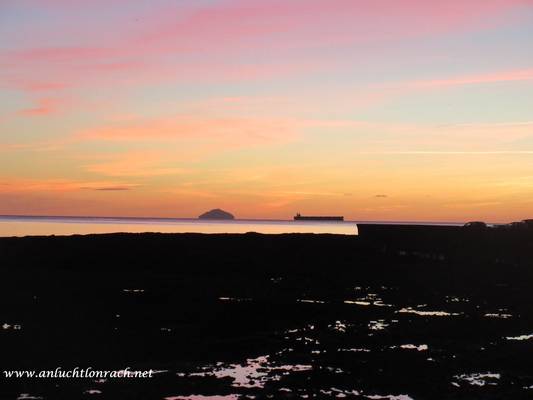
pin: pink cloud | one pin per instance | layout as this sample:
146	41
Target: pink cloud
45	106
288	29
229	132
503	76
198	42
377	94
67	3
60	54
237	23
41	86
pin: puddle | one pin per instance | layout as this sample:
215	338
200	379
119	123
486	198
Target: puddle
201	397
379	303
370	299
339	393
456	299
478	379
357	302
27	396
420	347
15	327
521	337
338	326
159	371
409	310
93	391
283	351
378	325
307	340
311	301
496	315
308	327
253	374
236	299
344	393
355	350
335	370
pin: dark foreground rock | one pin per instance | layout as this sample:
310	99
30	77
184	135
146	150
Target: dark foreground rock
423	312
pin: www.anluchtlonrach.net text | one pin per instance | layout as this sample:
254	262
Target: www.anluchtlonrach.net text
78	372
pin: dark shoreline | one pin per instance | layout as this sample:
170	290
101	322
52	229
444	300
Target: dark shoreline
187	301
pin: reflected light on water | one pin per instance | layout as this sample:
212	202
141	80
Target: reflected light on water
28	226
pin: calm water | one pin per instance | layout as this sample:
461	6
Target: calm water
33	225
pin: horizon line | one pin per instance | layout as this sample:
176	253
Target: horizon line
407	222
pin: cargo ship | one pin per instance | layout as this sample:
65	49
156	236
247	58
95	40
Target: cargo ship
299	217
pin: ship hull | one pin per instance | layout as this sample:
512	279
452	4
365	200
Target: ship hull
311	218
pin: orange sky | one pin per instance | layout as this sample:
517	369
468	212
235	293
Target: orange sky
375	110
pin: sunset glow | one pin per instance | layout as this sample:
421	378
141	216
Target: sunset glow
371	109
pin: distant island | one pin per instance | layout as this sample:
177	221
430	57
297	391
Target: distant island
217	213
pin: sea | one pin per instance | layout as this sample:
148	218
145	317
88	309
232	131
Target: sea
74	225
18	225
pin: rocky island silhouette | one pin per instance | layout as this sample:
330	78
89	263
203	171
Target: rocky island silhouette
218	214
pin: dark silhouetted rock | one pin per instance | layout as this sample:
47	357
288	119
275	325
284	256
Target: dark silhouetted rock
217	213
475	225
188	303
528	223
516	225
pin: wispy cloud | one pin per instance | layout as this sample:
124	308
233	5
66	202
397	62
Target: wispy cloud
38	86
111	188
431	138
224	132
17	185
134	164
454	152
482	78
45	106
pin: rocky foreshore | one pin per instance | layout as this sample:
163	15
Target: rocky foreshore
398	312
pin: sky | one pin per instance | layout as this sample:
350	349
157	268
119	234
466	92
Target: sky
409	110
